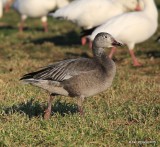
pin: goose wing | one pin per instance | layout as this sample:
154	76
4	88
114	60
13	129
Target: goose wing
63	70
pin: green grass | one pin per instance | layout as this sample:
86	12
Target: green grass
128	111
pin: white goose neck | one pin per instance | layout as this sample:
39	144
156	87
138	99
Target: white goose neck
120	5
150	8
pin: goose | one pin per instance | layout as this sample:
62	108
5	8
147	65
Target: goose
81	77
131	28
89	14
1	9
4	4
7	4
36	8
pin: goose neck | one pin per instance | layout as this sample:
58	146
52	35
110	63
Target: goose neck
150	8
99	55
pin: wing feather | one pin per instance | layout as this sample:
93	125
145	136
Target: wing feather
63	70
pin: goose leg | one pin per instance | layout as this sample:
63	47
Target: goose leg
44	23
83	40
8	5
134	59
47	112
80	102
21	26
113	50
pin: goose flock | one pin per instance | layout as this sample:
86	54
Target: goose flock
82	12
104	24
37	9
125	27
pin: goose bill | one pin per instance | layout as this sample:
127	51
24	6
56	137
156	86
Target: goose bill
116	43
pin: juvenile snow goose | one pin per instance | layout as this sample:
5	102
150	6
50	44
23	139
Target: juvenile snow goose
132	28
89	14
35	9
81	77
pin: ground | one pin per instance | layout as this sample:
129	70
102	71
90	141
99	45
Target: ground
126	114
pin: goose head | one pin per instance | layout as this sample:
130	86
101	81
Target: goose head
105	40
101	41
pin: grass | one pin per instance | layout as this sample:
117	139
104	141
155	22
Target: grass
126	113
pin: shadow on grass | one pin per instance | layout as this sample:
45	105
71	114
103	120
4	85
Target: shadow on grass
155	54
6	27
70	38
33	109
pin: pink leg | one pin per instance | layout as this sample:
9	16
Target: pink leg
45	26
21	26
47	112
83	40
80	101
113	50
7	7
134	59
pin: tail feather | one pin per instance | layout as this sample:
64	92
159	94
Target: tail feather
30	81
86	32
41	83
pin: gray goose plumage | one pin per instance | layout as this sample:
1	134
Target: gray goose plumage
82	77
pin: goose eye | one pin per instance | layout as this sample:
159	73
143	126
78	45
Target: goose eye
105	36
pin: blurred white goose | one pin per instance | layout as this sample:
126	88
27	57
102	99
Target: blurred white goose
37	8
1	8
132	28
4	4
91	13
7	4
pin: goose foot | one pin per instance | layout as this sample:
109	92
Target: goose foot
47	112
134	59
137	64
80	110
20	29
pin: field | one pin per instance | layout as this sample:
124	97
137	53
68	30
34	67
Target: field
127	114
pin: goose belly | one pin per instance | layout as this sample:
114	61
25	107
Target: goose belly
86	86
34	8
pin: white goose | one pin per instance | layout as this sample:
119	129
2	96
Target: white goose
91	13
132	28
37	8
7	4
1	8
4	4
